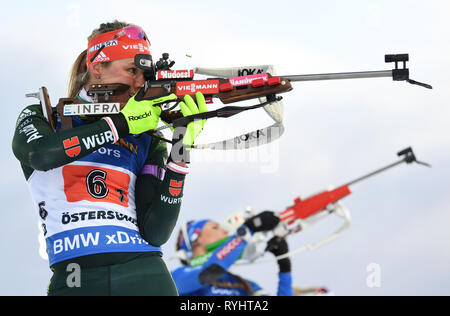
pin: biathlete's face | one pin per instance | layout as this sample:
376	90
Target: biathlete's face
120	71
211	233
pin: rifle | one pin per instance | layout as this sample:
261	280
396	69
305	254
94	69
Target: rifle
230	85
304	213
303	209
241	88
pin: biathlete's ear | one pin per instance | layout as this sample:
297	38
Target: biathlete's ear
96	70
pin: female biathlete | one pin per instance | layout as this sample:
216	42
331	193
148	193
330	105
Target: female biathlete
107	194
207	252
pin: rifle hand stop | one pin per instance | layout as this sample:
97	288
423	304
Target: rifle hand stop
402	74
409	157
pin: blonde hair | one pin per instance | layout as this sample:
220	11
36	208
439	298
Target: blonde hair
79	75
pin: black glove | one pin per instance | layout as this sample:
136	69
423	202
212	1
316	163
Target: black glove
278	246
262	222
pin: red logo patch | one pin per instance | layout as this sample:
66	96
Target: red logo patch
72	146
175	74
228	248
175	187
203	86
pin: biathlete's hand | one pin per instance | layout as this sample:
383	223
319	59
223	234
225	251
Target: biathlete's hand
262	222
189	107
143	115
278	246
184	137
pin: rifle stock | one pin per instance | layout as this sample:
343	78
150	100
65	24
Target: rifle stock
303	209
220	89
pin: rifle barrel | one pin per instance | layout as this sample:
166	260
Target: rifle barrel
375	172
341	75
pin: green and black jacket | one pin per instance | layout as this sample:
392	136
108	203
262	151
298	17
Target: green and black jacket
88	163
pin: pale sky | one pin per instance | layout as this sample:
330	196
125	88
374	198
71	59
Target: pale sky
335	131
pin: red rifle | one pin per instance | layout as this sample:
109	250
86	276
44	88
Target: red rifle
304	209
309	211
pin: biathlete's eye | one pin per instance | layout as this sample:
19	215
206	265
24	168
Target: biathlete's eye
133	70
